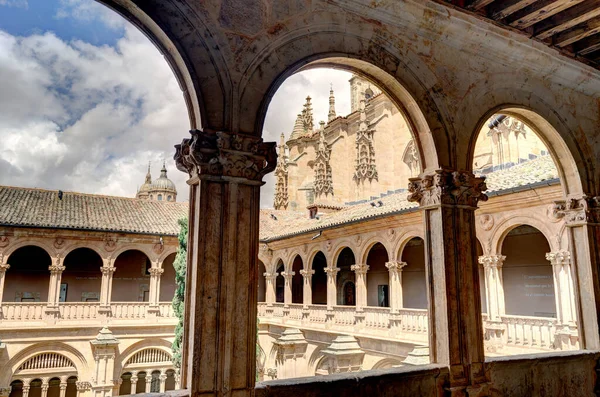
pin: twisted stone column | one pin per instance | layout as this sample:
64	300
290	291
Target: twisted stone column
307	286
448	201
219	346
395	282
331	286
107	270
287	293
360	272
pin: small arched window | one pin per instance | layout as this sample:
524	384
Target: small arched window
169	198
160	197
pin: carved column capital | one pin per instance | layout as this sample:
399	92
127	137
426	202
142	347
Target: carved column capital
270	276
107	269
156	271
447	187
331	271
492	261
395	267
559	258
307	273
225	154
360	268
4	267
576	211
288	275
56	269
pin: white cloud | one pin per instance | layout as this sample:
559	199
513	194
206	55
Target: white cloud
86	10
15	3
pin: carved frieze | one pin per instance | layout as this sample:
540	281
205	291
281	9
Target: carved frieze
364	167
223	154
578	210
447	187
323	177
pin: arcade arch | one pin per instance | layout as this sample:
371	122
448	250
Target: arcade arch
346	279
131	265
28	278
81	279
297	280
377	276
319	279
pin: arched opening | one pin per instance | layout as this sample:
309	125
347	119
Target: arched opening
16	389
297	280
280	283
482	287
35	388
167	279
141	383
346	278
378	277
155	382
81	279
131	281
170	381
414	283
28	278
53	388
319	279
125	387
262	289
71	390
527	274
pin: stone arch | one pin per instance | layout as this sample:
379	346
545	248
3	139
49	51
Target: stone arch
313	253
292	256
134	247
165	255
64	349
506	225
370	243
8	251
82	244
386	363
339	247
82	275
398	248
567	154
203	74
128	352
378	60
315	359
28	278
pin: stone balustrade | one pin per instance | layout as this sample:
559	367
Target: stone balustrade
530	332
12	314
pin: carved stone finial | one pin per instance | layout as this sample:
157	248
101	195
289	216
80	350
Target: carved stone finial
281	178
224	154
447	187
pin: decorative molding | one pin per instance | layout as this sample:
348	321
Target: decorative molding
447	187
155	271
224	154
364	167
107	269
492	261
270	276
323	184
575	211
332	271
56	269
83	386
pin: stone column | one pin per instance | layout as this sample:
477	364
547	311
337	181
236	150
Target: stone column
270	280
26	389
154	293
3	268
226	172
331	286
287	293
307	287
45	387
56	269
63	386
148	381
582	219
107	270
448	201
395	282
565	299
134	381
163	380
494	292
360	272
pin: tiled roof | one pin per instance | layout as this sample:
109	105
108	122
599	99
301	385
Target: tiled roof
43	208
290	223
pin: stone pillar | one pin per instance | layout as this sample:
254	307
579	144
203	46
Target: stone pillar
154	293
565	300
287	296
494	292
226	172
360	271
291	354
104	348
26	389
56	269
307	287
163	380
395	282
270	283
63	386
448	201
134	381
148	381
582	219
107	270
45	387
3	268
331	286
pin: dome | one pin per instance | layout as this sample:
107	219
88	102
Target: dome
163	183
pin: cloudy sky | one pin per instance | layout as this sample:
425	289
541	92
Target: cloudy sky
87	101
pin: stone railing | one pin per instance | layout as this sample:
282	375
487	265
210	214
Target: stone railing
529	332
414	321
13	314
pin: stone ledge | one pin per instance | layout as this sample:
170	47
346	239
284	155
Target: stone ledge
170	393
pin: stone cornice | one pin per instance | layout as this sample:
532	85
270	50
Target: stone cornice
447	187
224	154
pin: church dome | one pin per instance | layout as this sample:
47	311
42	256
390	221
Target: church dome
163	183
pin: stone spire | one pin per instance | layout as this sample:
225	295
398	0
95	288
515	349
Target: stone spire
364	167
148	176
281	175
298	130
331	115
307	117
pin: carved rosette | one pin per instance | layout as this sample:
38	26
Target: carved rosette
395	267
307	273
4	241
559	258
360	268
223	154
447	187
576	211
492	261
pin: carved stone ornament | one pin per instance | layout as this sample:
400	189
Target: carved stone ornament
492	260
360	268
55	269
395	267
155	271
331	271
486	221
4	241
560	258
110	243
307	273
3	266
323	184
578	210
83	386
281	179
223	154
447	187
158	248
59	242
107	269
364	167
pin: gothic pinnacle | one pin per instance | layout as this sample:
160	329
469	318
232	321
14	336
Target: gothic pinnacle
331	115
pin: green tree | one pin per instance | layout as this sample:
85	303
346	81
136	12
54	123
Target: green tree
180	265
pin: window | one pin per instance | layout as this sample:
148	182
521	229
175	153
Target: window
160	197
